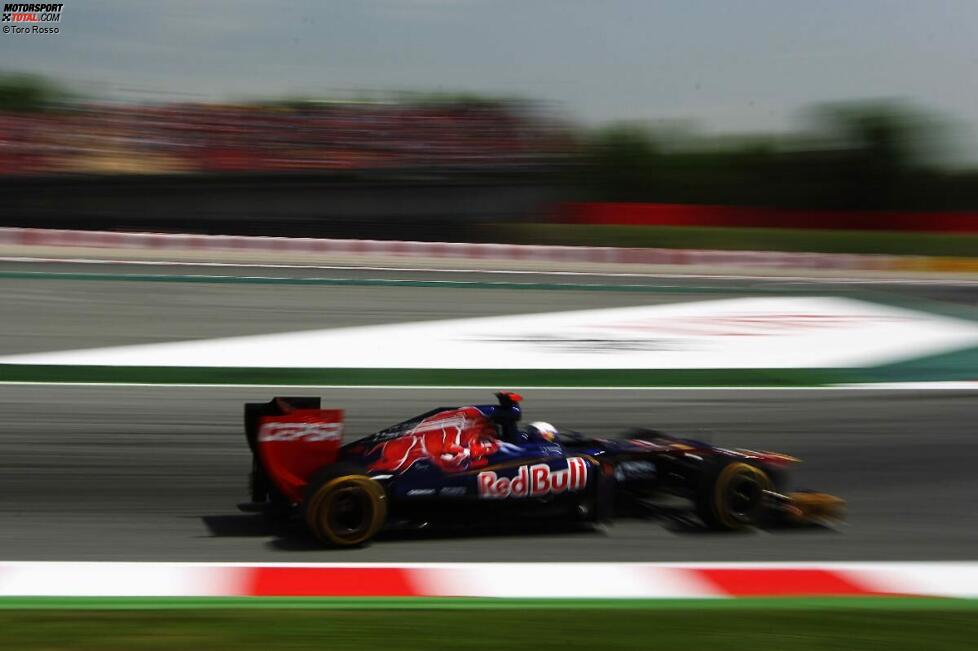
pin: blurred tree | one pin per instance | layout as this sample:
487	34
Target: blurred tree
23	93
866	153
620	162
856	155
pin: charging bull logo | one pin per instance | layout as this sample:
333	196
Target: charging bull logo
454	441
534	481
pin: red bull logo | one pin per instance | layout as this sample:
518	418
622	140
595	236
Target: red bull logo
453	441
534	481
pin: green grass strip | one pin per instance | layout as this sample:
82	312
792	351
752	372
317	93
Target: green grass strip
958	365
751	239
300	280
387	282
752	627
427	603
427	377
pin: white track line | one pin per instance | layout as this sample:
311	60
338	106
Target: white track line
895	386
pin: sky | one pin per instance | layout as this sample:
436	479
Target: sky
744	65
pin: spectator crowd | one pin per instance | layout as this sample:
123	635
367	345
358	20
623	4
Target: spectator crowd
211	138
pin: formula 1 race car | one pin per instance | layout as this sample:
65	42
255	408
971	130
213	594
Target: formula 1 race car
477	464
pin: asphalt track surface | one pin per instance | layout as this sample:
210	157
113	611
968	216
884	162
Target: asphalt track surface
156	473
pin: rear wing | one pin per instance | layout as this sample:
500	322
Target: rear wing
290	439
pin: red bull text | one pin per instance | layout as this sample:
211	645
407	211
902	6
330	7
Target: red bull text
534	481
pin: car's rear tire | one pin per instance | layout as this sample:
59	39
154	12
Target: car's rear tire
344	508
734	496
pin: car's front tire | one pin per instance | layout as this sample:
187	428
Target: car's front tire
734	496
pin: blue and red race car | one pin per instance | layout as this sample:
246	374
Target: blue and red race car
478	464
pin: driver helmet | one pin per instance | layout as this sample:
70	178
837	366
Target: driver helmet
543	431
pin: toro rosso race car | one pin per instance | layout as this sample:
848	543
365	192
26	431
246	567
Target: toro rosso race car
477	464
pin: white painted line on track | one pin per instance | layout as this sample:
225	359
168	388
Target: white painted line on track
895	386
939	385
950	282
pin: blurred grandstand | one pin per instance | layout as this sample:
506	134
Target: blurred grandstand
100	138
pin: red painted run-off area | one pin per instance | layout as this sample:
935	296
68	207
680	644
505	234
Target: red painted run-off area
272	581
330	582
782	582
673	214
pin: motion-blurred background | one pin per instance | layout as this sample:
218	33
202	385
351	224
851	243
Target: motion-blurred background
766	126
